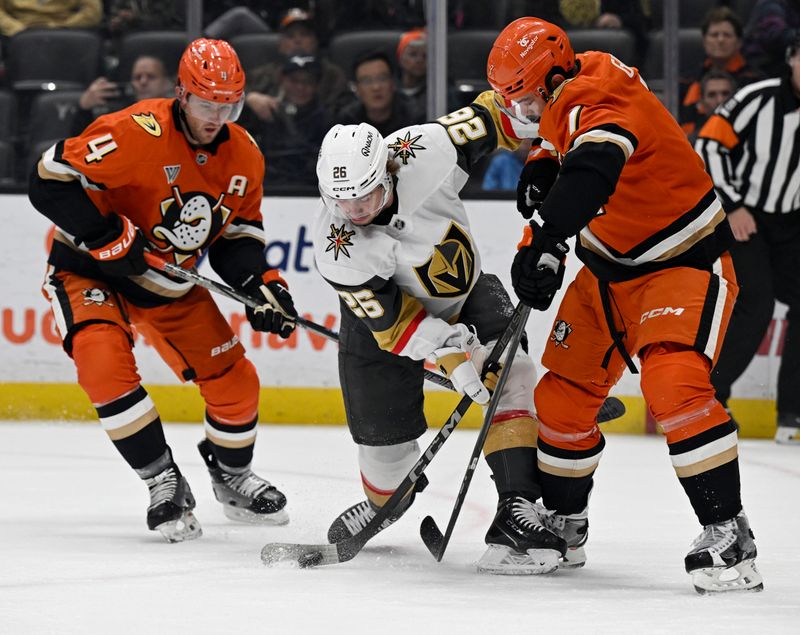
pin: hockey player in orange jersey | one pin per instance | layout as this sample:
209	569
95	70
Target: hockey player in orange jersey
614	170
179	178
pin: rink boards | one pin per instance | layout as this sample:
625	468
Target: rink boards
299	376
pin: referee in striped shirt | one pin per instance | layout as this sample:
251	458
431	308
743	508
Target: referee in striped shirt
751	147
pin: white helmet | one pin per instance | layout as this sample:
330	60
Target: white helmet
351	165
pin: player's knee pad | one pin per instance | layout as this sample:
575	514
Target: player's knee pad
678	391
518	390
384	467
232	397
104	361
567	412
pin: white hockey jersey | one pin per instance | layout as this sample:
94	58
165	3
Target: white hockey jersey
409	272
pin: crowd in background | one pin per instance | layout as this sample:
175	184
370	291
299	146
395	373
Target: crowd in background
300	89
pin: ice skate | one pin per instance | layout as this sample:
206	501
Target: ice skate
519	542
722	558
788	431
353	519
245	497
574	529
171	505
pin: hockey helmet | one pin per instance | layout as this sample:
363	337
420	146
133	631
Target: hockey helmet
211	79
529	55
351	168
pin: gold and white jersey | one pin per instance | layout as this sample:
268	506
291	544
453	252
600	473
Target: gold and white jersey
408	273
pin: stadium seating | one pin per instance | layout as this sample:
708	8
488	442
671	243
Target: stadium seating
53	59
345	48
168	46
256	49
618	42
690	51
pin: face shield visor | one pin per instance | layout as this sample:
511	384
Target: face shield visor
214	112
363	209
522	110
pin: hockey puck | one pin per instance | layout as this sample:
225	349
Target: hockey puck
309	559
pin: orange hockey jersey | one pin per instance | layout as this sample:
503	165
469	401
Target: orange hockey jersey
662	210
138	163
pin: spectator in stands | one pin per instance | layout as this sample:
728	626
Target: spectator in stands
505	167
716	88
149	80
297	37
18	15
722	42
290	140
377	100
412	61
769	31
124	16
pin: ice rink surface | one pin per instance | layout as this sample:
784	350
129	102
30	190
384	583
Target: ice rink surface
76	557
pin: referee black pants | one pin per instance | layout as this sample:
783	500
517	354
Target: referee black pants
767	269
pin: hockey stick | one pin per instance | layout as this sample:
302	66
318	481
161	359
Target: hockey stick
212	285
306	555
431	536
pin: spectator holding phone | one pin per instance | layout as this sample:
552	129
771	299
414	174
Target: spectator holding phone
149	80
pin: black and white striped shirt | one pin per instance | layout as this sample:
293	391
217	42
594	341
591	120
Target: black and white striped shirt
751	147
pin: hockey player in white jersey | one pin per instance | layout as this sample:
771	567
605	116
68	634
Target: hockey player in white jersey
394	240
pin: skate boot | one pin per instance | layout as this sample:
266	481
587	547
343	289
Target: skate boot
171	505
574	529
353	519
788	431
519	541
245	497
722	558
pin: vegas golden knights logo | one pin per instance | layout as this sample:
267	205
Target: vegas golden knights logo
450	269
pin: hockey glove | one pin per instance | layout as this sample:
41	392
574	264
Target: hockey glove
535	181
538	269
277	313
458	359
120	251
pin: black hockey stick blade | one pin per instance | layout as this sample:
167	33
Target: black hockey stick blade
611	409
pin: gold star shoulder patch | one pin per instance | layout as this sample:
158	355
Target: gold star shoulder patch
404	148
339	241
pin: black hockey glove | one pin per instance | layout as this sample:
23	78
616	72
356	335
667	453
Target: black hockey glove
120	251
277	314
535	181
538	269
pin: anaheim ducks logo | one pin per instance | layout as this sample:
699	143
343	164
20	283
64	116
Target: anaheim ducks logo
188	222
96	296
561	331
449	271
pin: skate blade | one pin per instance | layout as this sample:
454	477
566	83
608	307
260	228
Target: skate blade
740	577
502	560
184	528
575	558
241	515
787	436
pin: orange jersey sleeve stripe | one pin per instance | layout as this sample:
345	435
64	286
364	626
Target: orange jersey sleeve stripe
720	129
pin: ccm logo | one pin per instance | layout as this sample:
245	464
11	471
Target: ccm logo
217	350
666	310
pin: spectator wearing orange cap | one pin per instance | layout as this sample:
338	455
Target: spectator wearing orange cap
412	62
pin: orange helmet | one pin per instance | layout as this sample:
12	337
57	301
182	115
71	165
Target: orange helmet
210	69
529	55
